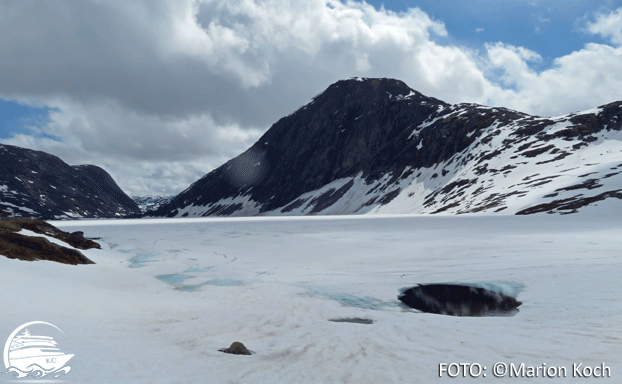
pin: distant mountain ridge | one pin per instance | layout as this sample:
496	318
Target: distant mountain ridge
38	185
378	146
149	203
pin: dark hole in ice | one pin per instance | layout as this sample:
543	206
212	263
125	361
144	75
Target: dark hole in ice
356	320
459	300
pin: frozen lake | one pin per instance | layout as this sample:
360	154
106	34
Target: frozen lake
166	294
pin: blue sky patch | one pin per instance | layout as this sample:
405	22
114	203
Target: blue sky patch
16	118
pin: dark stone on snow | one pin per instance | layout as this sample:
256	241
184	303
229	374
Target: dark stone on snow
236	348
459	300
77	236
355	320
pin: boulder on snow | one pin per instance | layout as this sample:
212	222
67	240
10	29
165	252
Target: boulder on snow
236	348
459	300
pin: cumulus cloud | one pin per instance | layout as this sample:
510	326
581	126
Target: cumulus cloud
159	92
144	153
514	61
608	26
580	80
588	77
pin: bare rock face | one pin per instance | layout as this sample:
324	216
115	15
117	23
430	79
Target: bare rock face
349	128
30	248
459	300
236	348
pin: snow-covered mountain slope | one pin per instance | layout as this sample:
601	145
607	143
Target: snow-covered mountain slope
377	146
38	185
149	203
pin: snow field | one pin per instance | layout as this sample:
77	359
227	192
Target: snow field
274	282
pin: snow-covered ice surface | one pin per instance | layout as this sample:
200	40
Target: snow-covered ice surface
166	294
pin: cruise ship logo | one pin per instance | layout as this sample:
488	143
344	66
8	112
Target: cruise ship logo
28	355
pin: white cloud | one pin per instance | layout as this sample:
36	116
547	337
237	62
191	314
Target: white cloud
159	92
165	80
155	148
514	61
608	26
590	76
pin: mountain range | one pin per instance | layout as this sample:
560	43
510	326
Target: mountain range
378	146
361	146
149	202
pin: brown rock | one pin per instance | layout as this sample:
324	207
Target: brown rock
75	239
30	248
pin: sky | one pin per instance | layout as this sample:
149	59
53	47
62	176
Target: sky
160	92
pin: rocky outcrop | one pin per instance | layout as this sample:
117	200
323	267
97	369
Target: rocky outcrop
15	245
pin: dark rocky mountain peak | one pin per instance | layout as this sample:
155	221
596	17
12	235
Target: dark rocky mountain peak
376	145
